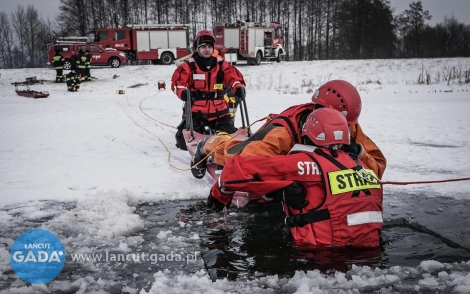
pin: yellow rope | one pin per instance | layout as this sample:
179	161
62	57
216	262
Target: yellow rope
168	150
231	138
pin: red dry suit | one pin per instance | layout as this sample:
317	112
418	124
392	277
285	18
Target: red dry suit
344	209
207	86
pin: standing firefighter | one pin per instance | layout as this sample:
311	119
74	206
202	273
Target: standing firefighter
205	78
73	61
58	63
87	74
81	65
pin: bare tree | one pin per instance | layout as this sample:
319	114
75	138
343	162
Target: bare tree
412	21
18	19
6	41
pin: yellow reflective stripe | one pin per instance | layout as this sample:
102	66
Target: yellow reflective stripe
348	180
218	86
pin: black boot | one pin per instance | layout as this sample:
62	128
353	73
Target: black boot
180	142
199	171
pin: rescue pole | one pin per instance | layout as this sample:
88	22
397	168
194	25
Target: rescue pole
244	114
189	115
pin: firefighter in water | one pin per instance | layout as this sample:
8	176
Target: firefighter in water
73	81
280	133
204	78
330	197
58	63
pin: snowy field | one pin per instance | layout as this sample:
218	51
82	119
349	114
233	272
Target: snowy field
80	164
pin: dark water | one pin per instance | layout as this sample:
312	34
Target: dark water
254	241
238	244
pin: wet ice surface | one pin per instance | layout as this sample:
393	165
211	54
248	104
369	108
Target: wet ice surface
245	245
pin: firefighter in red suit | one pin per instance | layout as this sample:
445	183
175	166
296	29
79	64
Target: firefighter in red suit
204	78
331	198
280	133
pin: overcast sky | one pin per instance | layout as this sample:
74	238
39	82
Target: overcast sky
437	8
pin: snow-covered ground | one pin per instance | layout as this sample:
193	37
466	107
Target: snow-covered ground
78	164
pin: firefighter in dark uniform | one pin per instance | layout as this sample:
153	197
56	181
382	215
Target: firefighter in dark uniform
87	66
81	65
73	61
58	63
73	81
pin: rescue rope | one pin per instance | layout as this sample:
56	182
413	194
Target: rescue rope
372	178
164	145
422	182
241	131
143	128
140	106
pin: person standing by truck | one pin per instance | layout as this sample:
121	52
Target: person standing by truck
81	65
58	64
73	61
87	66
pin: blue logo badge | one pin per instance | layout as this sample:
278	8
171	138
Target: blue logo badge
37	256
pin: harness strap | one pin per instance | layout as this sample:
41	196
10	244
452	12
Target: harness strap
220	78
220	73
200	115
310	217
289	124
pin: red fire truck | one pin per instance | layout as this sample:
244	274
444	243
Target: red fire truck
160	43
249	41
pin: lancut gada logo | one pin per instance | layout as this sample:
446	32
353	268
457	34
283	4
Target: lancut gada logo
37	256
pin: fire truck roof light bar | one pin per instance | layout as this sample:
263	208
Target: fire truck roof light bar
156	26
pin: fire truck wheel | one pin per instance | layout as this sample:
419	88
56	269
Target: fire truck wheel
67	65
258	58
114	62
166	58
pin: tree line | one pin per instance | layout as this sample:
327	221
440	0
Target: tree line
313	29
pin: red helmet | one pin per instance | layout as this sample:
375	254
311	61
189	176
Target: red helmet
326	126
342	96
203	37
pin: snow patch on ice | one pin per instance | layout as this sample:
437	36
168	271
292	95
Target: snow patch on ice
105	215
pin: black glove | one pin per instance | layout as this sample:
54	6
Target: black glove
293	195
240	93
353	148
215	204
185	95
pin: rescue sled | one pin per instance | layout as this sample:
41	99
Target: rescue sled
240	199
28	92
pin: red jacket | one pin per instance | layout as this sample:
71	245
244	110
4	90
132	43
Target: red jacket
343	208
207	86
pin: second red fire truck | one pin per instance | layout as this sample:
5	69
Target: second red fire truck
160	43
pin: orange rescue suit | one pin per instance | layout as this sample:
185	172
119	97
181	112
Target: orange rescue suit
277	138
